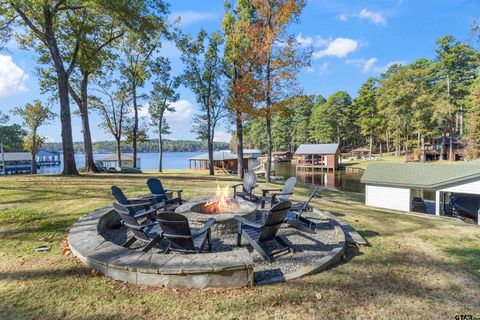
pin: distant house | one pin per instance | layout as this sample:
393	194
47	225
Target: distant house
317	156
400	186
433	148
15	162
48	158
222	160
251	153
282	156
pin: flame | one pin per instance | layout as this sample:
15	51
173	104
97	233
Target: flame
222	202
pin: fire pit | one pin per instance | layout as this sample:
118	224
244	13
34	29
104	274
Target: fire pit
221	207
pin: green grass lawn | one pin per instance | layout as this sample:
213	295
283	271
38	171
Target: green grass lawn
416	267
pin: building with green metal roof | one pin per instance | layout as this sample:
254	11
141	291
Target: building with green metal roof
391	185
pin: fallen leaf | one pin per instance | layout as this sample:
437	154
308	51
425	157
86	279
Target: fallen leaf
319	296
274	304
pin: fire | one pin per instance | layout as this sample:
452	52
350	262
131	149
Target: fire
222	202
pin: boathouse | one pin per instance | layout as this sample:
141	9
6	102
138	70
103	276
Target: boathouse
225	161
112	161
48	158
15	162
312	157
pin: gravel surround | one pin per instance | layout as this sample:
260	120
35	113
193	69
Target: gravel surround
308	248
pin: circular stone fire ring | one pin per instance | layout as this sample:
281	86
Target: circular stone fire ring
225	223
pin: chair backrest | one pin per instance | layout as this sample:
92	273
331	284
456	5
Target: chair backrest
176	230
155	186
130	222
287	188
249	181
119	195
274	220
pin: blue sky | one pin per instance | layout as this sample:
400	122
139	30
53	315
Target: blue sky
351	40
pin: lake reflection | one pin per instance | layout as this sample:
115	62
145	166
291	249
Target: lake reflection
339	179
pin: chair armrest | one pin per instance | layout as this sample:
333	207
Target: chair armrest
174	190
265	191
138	204
242	220
208	224
237	185
144	212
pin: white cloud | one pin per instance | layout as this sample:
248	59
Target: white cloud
315	41
222	136
370	65
12	77
365	14
323	70
184	110
339	47
188	18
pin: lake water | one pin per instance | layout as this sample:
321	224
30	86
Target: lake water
148	161
339	180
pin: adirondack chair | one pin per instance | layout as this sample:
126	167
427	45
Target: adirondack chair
181	237
294	217
135	207
274	196
149	233
257	233
248	185
162	195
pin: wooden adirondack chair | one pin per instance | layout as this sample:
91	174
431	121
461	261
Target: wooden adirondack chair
162	195
274	196
257	233
149	233
248	185
181	237
135	207
295	218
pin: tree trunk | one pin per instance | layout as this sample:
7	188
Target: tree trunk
69	166
119	151
371	146
33	168
422	149
442	147
210	142
160	145
269	150
381	151
239	121
87	138
451	155
135	126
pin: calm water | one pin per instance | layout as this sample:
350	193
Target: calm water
148	161
179	160
339	180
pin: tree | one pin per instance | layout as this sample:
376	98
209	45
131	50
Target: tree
203	74
161	98
34	116
279	60
365	106
473	121
11	136
238	64
456	68
301	110
114	113
37	24
137	49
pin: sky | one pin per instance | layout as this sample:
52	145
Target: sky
351	41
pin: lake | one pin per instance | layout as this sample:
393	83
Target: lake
340	180
148	161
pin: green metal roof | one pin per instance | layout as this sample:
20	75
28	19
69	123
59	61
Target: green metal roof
419	175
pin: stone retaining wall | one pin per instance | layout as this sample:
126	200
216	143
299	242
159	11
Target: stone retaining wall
223	269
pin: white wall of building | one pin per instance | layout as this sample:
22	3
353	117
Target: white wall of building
472	187
388	197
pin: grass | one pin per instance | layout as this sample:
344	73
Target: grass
415	267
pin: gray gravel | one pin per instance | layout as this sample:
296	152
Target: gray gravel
308	247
